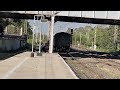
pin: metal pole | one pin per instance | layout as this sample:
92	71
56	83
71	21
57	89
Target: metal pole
75	38
80	38
26	27
43	36
37	32
88	38
33	35
51	34
115	33
40	38
95	39
49	26
95	33
115	36
36	35
40	54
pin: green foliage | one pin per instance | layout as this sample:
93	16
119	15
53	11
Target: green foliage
18	23
105	37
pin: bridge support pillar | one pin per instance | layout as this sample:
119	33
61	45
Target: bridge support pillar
51	35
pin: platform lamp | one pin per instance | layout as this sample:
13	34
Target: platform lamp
32	53
42	19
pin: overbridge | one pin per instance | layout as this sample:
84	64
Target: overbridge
95	17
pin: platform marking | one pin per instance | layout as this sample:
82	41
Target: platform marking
73	74
9	73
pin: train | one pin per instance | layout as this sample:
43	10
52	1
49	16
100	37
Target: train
62	42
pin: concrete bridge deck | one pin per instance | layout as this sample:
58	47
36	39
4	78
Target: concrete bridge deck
47	66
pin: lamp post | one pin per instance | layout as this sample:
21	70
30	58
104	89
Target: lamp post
32	54
41	20
40	54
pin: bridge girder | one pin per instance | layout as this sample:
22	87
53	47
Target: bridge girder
63	18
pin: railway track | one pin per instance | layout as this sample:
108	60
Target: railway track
74	61
76	69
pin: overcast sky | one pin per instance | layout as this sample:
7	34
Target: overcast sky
63	26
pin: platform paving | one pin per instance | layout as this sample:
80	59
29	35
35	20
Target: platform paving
47	66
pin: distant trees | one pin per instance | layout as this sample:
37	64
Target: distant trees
14	25
3	24
107	38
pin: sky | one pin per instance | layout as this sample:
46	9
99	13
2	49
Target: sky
63	26
58	26
98	14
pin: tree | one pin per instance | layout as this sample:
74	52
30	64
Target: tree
3	23
105	37
18	23
29	29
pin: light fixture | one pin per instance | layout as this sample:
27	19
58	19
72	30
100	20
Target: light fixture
43	19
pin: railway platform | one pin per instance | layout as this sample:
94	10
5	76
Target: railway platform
47	66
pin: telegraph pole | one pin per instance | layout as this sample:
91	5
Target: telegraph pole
115	36
95	39
36	35
115	33
95	33
80	38
75	38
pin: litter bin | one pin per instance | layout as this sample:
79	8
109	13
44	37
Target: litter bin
32	54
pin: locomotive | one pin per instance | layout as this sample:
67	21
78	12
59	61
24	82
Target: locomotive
62	42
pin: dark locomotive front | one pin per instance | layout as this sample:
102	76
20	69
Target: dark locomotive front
62	42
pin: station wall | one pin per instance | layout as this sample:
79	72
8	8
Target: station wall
10	44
